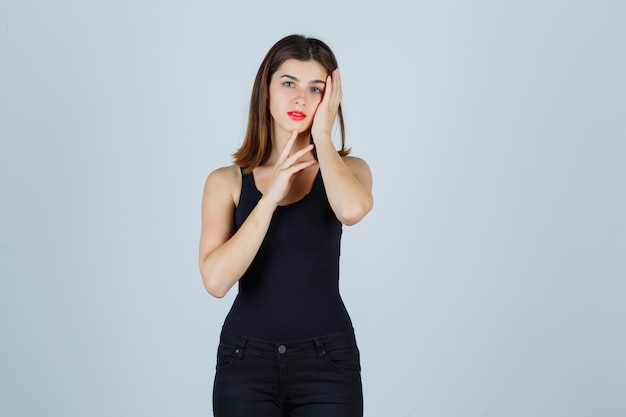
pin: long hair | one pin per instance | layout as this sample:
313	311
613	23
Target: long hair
257	144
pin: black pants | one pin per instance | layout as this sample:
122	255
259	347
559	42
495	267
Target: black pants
319	377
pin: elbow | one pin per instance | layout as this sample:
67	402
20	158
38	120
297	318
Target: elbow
216	293
355	213
215	290
212	284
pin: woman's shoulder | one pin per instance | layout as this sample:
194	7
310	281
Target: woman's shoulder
359	168
225	174
355	163
354	160
224	179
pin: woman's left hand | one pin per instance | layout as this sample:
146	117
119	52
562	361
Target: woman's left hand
327	110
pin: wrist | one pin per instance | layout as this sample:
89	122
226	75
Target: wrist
266	203
320	137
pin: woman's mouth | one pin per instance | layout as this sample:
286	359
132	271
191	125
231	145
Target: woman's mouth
296	115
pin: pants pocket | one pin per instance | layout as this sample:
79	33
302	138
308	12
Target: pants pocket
343	357
226	356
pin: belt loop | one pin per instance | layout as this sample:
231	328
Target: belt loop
242	347
319	347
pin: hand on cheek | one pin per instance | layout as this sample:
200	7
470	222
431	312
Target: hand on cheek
328	107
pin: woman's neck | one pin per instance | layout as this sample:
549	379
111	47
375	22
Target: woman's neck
279	141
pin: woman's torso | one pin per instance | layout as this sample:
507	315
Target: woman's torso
291	289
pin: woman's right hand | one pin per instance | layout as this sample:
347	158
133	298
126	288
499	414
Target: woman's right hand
285	170
225	255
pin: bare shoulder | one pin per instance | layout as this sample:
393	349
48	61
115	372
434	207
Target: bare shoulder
225	174
359	169
223	182
356	162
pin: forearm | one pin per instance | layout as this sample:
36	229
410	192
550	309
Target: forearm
225	265
349	198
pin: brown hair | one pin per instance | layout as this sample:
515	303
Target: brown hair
257	144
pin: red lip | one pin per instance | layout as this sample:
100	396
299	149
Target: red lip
296	115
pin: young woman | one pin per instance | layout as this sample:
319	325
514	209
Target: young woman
272	223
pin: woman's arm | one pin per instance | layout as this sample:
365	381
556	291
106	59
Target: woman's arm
348	183
348	180
225	255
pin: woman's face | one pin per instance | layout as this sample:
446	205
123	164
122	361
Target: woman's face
295	91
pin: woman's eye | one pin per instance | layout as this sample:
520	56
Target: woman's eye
316	90
288	84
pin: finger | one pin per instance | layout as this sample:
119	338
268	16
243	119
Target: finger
300	166
285	152
332	94
293	158
328	92
336	79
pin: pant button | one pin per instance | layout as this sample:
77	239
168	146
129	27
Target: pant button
282	349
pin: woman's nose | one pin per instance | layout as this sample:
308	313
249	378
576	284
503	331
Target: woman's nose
300	100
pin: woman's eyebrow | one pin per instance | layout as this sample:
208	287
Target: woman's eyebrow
291	77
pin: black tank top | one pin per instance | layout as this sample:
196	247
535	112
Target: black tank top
291	289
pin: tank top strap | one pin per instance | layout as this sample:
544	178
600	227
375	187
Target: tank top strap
249	191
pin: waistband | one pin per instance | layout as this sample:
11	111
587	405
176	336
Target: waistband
316	345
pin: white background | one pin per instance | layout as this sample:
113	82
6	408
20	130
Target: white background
489	280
